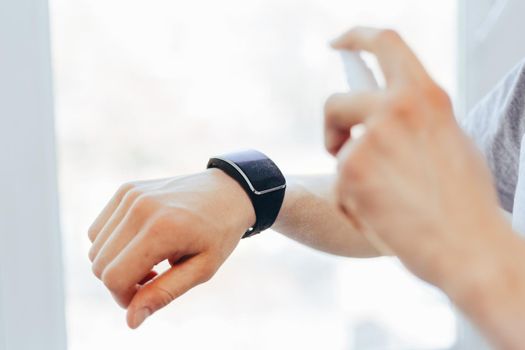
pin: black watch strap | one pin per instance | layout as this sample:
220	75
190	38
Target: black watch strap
261	179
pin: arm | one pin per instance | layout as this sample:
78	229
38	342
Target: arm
311	215
195	222
489	287
418	181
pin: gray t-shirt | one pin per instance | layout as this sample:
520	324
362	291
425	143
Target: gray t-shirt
497	125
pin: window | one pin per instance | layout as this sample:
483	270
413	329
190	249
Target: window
148	89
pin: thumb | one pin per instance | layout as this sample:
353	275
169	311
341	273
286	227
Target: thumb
167	287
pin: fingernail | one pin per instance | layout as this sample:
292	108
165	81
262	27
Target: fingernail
140	316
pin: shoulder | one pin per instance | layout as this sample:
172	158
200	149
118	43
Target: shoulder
506	96
501	114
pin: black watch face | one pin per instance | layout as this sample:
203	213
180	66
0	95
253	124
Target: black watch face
261	171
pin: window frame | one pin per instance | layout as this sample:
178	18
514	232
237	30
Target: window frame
31	279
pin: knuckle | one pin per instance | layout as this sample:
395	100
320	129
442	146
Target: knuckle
111	279
437	96
160	225
206	272
92	253
157	229
411	107
143	202
355	169
131	196
403	108
377	133
387	36
401	101
124	189
330	106
332	99
92	232
97	269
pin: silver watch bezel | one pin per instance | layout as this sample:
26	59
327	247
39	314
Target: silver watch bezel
250	185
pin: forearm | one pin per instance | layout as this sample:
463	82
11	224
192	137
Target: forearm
310	215
489	288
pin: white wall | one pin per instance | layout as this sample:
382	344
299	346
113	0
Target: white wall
490	45
31	291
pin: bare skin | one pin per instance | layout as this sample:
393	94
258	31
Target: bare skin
421	186
413	185
195	222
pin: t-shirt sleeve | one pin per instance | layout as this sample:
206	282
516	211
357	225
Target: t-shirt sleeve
497	126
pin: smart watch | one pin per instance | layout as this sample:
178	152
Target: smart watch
261	179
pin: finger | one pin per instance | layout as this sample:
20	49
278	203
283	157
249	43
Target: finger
127	229
124	302
398	62
344	111
113	222
150	247
168	287
107	212
115	201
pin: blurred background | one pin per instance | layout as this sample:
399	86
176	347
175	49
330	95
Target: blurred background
147	89
152	89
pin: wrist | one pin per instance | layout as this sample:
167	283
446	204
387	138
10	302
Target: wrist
491	294
262	181
289	202
244	212
487	273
